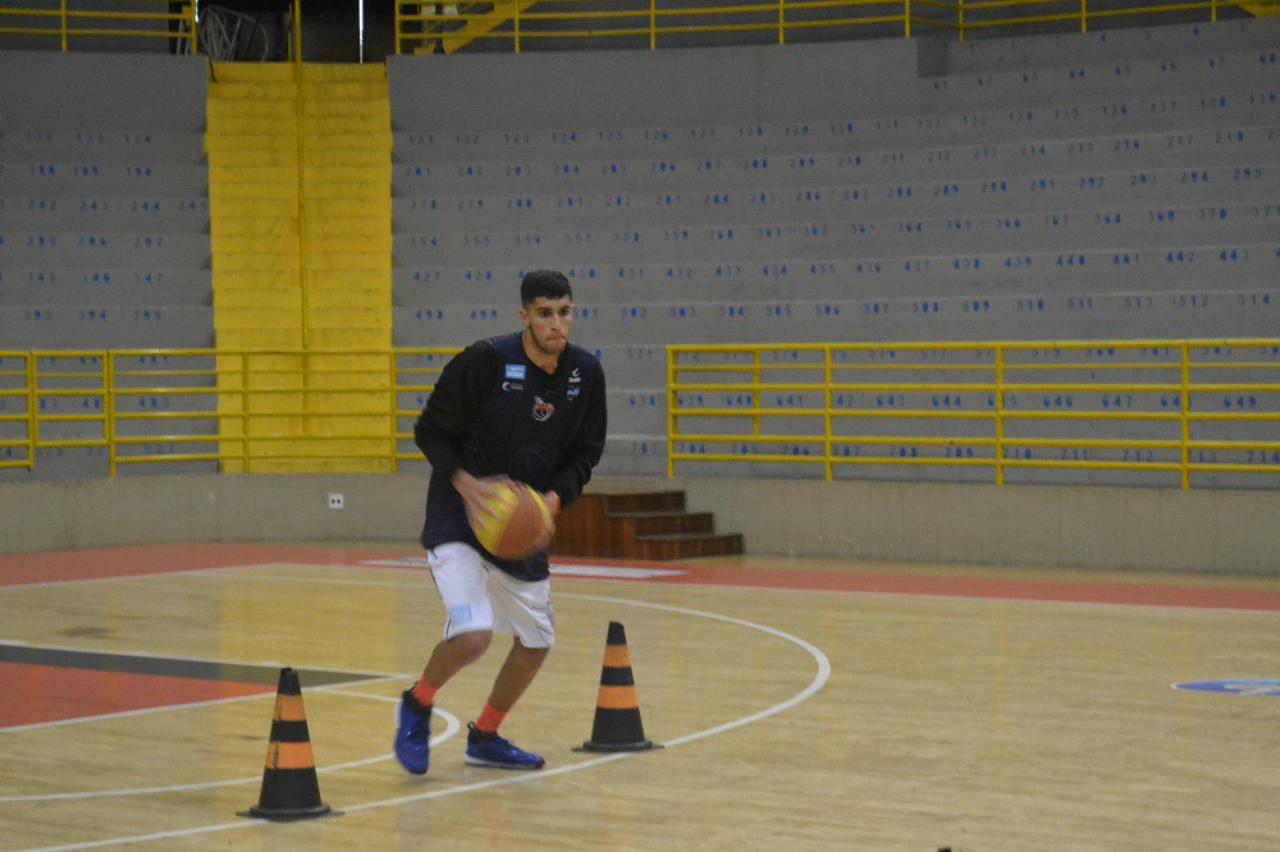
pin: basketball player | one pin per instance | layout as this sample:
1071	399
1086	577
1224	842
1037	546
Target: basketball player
528	406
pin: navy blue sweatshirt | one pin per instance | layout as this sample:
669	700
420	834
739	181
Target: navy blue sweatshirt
495	412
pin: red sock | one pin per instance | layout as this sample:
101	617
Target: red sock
424	692
490	719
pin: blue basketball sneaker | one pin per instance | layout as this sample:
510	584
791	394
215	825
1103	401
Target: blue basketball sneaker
489	749
413	736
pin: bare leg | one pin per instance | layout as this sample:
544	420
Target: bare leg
452	655
517	673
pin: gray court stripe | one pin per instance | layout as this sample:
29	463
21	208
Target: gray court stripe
167	666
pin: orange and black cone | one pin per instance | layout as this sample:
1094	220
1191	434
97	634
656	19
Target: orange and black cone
617	726
290	789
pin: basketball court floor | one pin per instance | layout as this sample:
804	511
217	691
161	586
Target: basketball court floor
802	704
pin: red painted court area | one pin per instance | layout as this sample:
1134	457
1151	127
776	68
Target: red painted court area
96	563
54	693
80	688
138	560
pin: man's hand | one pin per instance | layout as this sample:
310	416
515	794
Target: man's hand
476	493
552	499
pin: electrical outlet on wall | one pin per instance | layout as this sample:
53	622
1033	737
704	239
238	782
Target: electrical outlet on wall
336	501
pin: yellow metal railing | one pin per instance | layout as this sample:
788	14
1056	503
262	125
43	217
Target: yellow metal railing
66	20
1172	406
1175	408
150	406
420	25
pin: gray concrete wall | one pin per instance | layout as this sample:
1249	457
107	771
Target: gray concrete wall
1042	526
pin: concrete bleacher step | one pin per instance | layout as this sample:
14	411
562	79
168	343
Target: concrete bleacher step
85	287
158	251
650	525
59	179
154	214
1191	310
737	242
102	145
1228	105
1085	81
868	275
41	326
1091	154
1066	49
1068	188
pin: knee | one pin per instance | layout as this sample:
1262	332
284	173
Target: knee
471	646
533	656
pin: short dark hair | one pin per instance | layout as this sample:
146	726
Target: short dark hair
544	283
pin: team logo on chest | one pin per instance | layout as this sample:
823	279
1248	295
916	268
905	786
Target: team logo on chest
542	410
575	385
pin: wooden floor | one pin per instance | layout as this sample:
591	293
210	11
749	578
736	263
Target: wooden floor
803	705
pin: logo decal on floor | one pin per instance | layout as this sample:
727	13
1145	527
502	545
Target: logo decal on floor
1252	687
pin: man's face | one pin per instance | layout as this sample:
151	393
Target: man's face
549	322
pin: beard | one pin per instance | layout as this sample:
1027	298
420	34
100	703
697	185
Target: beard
546	344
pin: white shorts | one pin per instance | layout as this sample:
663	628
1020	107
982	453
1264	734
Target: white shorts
479	596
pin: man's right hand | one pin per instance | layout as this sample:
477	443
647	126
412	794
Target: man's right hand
476	493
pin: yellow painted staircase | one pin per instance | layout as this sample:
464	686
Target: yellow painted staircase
300	219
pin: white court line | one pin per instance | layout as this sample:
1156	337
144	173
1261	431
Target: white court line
163	708
223	570
819	680
452	726
233	573
44	584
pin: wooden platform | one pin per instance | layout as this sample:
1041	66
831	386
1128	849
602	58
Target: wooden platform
652	525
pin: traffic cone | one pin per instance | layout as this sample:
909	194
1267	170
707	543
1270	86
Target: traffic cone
289	787
617	726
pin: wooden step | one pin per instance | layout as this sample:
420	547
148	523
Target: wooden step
667	523
651	501
688	545
651	525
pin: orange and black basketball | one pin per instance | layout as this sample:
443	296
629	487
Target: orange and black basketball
519	521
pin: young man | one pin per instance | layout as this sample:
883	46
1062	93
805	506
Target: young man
528	406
